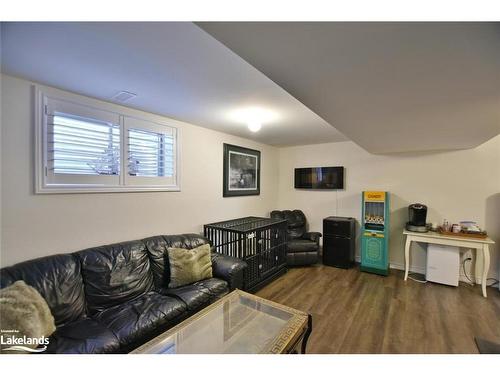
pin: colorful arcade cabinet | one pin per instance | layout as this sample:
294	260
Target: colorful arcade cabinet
375	232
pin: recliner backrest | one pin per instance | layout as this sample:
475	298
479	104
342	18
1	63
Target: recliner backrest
296	221
57	278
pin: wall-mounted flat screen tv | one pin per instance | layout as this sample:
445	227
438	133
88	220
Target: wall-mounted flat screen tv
319	178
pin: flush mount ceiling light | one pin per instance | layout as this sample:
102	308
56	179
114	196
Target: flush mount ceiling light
253	117
254	126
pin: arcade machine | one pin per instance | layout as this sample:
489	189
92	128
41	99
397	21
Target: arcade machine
375	232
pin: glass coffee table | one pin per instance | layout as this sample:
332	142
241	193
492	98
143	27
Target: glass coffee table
238	323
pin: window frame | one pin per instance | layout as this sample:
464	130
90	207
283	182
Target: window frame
45	183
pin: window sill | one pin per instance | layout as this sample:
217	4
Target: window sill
103	189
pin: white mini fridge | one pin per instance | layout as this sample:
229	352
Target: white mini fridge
443	264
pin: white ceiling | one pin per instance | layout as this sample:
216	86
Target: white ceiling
177	70
390	87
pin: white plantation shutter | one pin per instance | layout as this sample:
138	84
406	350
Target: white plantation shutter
83	146
151	153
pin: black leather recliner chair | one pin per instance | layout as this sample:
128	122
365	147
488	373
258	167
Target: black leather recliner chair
302	246
114	298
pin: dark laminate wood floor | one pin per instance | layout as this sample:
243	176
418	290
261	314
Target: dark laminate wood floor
357	312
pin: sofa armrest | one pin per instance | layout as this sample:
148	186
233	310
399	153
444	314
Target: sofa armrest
312	236
229	269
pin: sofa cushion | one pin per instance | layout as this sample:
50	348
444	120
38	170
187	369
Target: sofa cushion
199	294
216	288
190	295
157	248
189	265
302	246
85	336
158	255
186	241
115	274
59	281
136	321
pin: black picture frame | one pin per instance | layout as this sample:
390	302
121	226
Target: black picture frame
246	162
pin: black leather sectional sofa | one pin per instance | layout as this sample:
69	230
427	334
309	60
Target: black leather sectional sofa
114	298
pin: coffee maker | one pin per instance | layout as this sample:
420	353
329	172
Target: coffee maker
417	215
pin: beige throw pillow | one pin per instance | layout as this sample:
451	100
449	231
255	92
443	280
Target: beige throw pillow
23	312
189	266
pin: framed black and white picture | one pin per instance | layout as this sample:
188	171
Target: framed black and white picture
241	171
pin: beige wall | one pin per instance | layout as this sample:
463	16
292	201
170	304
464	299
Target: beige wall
1	122
456	185
38	225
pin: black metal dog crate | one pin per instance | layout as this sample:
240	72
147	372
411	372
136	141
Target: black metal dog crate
259	241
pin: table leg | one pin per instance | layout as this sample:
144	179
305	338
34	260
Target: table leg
407	256
486	267
307	334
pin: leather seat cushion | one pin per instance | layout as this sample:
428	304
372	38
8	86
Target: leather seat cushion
190	295
138	320
199	294
83	336
215	287
301	246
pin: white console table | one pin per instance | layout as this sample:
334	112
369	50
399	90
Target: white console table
480	245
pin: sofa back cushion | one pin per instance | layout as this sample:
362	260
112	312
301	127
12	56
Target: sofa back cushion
58	279
296	222
114	274
157	248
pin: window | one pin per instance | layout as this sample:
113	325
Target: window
151	153
84	148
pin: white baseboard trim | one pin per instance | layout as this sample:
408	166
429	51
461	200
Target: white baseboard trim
421	270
